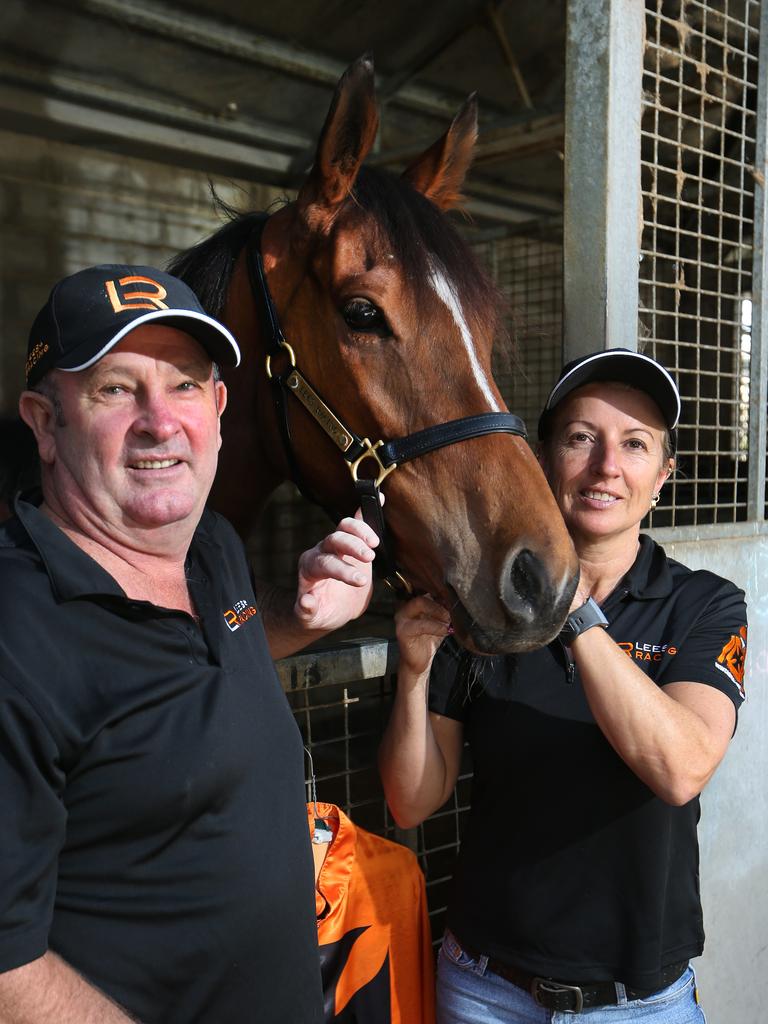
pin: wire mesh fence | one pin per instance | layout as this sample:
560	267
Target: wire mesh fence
698	154
528	268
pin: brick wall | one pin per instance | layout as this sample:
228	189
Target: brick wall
63	207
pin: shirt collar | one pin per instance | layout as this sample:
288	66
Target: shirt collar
334	876
650	575
72	572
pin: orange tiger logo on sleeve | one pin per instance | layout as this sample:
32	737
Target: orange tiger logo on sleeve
732	657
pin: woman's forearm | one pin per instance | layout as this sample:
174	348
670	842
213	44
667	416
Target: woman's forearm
419	754
672	738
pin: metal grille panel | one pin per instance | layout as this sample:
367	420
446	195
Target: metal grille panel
698	152
529	271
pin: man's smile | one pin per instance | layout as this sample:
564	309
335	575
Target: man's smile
154	463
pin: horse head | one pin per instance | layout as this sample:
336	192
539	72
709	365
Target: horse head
390	323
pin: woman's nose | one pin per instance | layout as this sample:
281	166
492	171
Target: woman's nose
604	459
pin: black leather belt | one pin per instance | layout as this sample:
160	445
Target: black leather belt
566	997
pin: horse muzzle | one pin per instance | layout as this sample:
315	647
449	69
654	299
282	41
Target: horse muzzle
525	610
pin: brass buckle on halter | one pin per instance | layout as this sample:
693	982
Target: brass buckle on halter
291	355
371	453
398	580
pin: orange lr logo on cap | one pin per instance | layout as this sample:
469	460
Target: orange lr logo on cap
136	299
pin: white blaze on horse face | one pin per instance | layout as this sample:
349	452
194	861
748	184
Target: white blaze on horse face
447	295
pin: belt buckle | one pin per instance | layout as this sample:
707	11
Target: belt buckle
555	988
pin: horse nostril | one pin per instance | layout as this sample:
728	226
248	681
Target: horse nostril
528	579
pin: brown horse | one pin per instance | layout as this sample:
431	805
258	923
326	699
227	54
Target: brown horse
378	302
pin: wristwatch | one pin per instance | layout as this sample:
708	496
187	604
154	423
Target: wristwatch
582	619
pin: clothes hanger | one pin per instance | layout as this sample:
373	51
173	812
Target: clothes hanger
321	833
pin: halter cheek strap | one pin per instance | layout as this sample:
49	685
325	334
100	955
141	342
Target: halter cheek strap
385	455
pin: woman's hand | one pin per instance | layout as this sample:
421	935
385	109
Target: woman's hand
422	624
581	596
420	752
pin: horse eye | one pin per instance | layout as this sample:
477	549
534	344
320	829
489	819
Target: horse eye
362	315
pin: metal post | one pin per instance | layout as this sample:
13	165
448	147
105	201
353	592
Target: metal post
758	362
604	62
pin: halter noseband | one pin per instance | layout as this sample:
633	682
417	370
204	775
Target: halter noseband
386	455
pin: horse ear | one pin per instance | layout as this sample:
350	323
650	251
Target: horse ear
347	136
439	172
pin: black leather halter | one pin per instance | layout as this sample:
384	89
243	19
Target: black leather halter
386	455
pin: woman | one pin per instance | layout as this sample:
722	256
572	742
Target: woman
577	883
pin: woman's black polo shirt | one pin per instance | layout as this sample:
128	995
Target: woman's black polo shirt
151	784
570	867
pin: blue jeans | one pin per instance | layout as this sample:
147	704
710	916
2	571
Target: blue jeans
469	993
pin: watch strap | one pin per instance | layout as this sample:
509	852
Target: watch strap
581	619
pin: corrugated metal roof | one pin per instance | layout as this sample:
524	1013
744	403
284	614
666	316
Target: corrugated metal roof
243	88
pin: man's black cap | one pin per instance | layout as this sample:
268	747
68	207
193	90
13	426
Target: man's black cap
619	364
88	313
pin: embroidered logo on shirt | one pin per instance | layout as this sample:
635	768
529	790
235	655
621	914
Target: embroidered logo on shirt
640	651
238	614
731	659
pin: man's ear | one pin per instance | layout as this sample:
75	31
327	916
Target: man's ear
220	394
38	413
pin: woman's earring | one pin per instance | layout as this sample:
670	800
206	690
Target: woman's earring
655	501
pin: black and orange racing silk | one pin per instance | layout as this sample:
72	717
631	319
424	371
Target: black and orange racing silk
373	929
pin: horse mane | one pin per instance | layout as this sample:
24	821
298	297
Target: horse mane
207	267
414	229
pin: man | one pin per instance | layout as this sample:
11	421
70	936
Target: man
156	864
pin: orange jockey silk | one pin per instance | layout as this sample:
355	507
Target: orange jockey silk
373	929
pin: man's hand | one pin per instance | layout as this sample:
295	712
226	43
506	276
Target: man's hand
336	578
335	586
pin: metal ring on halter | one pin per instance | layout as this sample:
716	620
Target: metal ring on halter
291	355
371	453
400	580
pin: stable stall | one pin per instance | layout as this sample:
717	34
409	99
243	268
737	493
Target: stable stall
617	199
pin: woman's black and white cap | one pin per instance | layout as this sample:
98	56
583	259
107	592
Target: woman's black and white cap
617	364
89	312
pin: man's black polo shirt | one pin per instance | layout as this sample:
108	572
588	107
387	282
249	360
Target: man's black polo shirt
151	783
570	867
